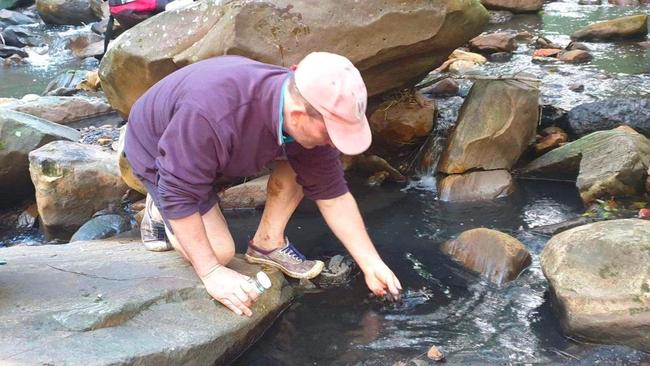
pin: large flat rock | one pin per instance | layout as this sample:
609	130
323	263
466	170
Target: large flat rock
109	302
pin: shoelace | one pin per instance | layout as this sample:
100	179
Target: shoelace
291	251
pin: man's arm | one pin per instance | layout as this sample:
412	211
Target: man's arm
343	217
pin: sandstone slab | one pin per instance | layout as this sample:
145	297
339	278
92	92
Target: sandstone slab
393	43
495	125
495	255
403	120
114	303
62	110
515	6
69	12
251	194
634	26
599	275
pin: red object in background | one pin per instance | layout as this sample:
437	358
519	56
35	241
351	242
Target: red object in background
644	213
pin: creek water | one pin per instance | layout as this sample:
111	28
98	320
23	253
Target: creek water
470	320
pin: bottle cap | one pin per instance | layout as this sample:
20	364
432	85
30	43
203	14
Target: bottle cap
263	279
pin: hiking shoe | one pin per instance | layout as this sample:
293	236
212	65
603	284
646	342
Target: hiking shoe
288	259
152	228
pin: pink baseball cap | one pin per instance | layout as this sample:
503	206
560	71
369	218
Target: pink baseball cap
334	87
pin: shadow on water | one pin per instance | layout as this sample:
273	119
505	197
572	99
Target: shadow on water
444	305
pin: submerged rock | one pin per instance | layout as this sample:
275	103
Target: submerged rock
476	186
404	120
604	164
575	56
72	182
497	256
515	6
101	227
11	17
7	51
495	125
68	80
337	272
19	134
634	26
113	303
599	277
70	12
610	113
393	44
19	36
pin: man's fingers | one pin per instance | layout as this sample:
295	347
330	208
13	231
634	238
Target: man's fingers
250	291
227	303
399	284
241	306
243	297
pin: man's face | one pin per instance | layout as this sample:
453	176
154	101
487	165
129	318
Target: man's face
310	131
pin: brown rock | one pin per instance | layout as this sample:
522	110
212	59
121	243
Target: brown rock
62	110
553	130
575	56
73	181
515	6
541	42
91	82
371	164
550	142
476	186
495	125
444	88
251	194
497	256
126	171
576	46
619	28
404	120
80	44
546	52
435	354
495	42
624	2
394	44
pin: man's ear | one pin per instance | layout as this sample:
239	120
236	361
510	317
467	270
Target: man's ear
293	67
297	117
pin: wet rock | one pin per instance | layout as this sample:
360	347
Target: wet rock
69	12
72	182
634	26
598	276
497	256
577	87
371	164
10	17
435	354
19	134
7	51
499	16
142	295
550	230
491	43
62	110
541	42
550	141
90	62
462	67
476	186
461	61
87	45
13	60
575	56
444	88
495	125
403	120
395	45
576	46
377	179
515	6
101	227
337	272
27	218
251	194
624	2
589	2
501	57
604	164
546	52
66	80
13	4
19	36
610	113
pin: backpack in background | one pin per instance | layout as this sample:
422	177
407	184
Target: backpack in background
131	12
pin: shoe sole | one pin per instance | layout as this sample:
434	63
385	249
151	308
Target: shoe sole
315	271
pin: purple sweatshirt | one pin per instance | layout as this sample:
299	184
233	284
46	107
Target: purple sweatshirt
219	117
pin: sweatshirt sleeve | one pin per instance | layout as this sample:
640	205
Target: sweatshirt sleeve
319	171
190	155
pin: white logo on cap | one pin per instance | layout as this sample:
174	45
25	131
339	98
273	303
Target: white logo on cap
361	108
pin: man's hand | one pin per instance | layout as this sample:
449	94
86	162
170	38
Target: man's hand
231	289
381	281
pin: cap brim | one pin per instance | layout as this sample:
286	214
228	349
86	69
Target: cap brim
349	139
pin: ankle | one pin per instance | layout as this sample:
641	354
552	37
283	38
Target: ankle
268	243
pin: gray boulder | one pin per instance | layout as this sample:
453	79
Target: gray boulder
394	44
62	110
73	181
599	275
610	113
70	12
19	134
8	51
113	303
10	17
604	164
19	36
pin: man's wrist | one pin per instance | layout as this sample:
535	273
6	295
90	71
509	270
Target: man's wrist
206	268
210	271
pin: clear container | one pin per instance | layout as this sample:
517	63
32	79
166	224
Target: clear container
261	282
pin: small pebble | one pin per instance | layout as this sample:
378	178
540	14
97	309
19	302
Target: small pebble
435	354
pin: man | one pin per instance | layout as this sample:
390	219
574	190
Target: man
231	116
